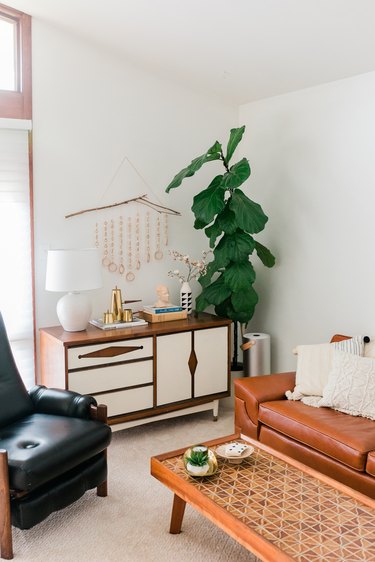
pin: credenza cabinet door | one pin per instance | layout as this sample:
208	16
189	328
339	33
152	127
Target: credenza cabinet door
211	349
172	368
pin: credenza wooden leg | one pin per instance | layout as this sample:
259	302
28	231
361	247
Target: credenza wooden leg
178	511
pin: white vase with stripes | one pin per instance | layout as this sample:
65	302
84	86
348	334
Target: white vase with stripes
186	297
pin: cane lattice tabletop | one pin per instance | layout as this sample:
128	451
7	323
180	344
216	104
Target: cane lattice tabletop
276	507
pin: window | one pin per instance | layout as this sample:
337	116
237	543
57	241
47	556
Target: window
16	287
15	64
8	34
16	228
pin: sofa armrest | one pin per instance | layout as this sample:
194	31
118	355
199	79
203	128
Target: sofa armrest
250	392
61	402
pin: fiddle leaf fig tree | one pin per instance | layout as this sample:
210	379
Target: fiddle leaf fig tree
229	219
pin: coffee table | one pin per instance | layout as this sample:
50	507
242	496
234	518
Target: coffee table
276	507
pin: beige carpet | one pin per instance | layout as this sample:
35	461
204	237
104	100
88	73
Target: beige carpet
132	523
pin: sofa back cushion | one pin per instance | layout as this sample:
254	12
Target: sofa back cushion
15	402
314	364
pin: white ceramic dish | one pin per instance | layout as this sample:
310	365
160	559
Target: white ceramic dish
221	452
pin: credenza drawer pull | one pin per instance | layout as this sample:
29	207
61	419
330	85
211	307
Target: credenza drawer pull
112	351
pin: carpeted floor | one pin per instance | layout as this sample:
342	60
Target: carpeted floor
132	523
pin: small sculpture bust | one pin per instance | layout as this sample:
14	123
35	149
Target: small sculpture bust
163	297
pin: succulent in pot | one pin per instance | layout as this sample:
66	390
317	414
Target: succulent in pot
197	460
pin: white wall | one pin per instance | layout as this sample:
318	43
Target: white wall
90	109
312	156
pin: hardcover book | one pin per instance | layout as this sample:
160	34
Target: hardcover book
162	310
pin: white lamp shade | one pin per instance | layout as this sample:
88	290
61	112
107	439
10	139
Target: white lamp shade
73	270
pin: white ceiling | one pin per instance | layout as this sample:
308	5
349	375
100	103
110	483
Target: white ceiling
238	50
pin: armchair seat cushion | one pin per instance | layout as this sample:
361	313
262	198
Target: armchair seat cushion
31	509
41	447
344	438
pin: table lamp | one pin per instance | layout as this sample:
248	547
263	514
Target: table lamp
73	271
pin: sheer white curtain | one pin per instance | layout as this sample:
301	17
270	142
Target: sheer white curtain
16	302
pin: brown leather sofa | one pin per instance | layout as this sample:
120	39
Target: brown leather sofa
336	444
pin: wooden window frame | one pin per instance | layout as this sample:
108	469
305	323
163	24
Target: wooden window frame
17	104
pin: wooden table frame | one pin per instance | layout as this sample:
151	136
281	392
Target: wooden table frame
185	492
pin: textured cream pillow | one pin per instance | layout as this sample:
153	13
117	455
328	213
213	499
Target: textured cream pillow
351	385
314	364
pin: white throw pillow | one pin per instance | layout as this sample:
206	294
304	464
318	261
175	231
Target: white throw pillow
314	364
351	385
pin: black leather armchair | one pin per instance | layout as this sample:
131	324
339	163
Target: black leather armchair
52	449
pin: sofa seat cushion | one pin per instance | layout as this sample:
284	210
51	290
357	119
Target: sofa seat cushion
345	438
41	447
370	466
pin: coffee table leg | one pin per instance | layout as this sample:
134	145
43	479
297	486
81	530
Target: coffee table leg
178	511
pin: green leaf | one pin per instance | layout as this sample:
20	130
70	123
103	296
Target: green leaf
217	292
265	255
249	215
213	153
199	224
209	202
215	148
239	276
234	140
201	303
234	247
245	300
213	267
237	174
225	309
226	221
212	232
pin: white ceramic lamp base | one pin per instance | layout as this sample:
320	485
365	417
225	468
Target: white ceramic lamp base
73	311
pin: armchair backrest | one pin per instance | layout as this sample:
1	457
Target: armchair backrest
15	402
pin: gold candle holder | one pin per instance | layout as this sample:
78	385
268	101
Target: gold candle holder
127	315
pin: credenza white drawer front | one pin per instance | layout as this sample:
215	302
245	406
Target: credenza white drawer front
127	401
110	377
113	352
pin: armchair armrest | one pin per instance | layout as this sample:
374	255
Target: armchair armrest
61	402
252	391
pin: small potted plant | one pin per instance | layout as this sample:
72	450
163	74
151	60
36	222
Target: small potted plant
200	461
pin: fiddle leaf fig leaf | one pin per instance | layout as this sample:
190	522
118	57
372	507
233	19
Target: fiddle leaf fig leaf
217	292
234	140
237	174
209	202
245	300
225	309
239	276
212	232
213	153
201	303
234	247
265	255
249	215
199	224
226	221
213	267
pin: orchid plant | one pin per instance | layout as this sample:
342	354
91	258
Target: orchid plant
196	268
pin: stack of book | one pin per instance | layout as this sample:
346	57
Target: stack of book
163	314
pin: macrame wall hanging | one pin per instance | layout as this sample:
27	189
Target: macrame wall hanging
128	240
